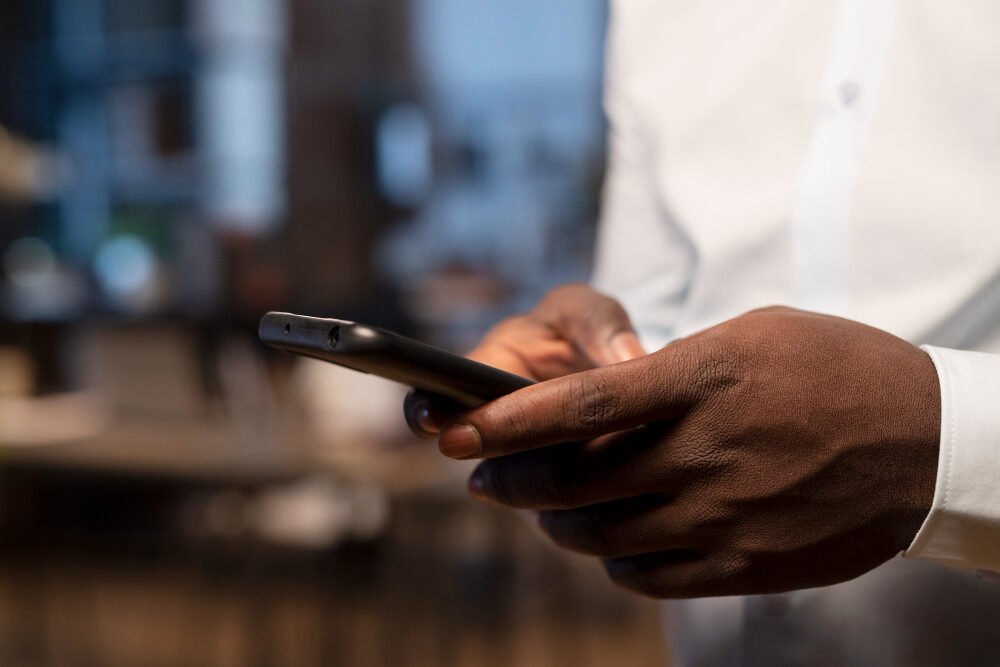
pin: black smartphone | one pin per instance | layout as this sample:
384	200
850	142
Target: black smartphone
389	355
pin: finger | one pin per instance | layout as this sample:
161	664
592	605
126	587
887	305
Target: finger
624	528
526	346
575	407
678	574
575	474
426	412
592	321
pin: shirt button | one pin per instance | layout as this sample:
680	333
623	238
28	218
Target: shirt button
849	92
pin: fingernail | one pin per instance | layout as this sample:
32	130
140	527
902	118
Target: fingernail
477	486
460	441
424	420
418	416
626	346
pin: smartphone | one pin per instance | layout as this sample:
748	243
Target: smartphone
389	355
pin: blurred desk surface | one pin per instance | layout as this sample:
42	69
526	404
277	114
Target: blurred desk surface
149	408
96	580
102	564
167	448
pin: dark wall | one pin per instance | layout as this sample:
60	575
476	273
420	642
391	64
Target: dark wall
347	60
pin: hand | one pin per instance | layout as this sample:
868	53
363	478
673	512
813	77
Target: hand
778	450
574	328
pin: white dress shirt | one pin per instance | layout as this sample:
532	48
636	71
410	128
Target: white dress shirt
841	156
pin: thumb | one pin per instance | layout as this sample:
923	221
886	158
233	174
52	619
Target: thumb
595	323
622	346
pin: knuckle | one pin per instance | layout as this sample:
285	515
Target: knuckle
570	290
610	309
581	303
714	369
711	520
704	458
726	573
591	404
601	306
603	318
735	565
554	300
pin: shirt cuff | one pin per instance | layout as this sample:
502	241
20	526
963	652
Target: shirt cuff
963	526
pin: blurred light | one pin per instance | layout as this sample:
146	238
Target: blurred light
240	22
403	146
240	112
125	267
29	262
509	44
29	171
39	287
17	372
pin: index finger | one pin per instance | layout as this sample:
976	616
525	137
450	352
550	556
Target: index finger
581	406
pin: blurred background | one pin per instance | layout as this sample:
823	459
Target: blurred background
170	491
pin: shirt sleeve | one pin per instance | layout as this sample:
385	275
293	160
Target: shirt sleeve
642	258
963	526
